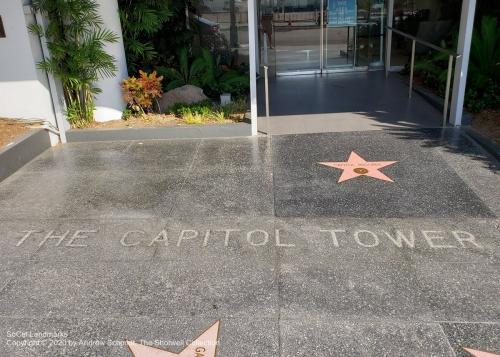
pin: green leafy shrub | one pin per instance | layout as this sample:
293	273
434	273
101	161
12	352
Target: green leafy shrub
179	108
192	117
76	40
141	20
127	114
218	116
206	111
201	116
187	73
484	64
206	71
79	117
217	79
432	69
488	97
238	107
152	31
483	81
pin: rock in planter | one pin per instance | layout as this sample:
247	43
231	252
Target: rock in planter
186	94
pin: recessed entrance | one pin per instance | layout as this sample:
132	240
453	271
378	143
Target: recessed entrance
325	61
316	36
353	101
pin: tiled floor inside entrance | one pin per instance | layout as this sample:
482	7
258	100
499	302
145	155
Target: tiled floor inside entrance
155	241
340	102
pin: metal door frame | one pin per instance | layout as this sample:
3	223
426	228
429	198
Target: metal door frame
322	69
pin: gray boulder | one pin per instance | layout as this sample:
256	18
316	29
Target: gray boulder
186	94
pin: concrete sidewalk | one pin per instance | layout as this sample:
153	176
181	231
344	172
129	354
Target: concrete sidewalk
155	241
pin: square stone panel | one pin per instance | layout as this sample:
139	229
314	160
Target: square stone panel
460	292
478	336
323	337
224	191
148	155
125	195
319	338
87	194
208	289
358	290
251	152
395	338
162	155
425	185
83	157
73	289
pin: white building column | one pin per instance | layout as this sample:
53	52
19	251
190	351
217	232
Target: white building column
388	44
110	103
463	49
257	44
252	58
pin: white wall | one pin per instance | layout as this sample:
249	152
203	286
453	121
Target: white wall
24	91
110	103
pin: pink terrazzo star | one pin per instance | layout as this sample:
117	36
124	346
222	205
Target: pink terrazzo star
477	353
203	346
356	166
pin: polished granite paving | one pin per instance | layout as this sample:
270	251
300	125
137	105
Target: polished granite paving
154	241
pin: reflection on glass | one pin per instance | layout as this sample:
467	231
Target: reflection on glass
371	33
431	21
297	32
339	45
223	28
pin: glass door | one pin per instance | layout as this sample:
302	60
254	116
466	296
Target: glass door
313	36
339	49
371	24
354	34
297	36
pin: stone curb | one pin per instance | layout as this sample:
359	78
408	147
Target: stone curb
23	150
487	144
177	132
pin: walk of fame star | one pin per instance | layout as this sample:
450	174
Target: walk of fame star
477	353
203	346
356	166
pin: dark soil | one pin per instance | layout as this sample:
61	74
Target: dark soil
487	123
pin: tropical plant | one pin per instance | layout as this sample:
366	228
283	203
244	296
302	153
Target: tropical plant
484	62
206	71
236	109
218	116
234	82
141	20
484	67
489	97
208	111
76	39
140	93
433	69
186	73
199	107
191	117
